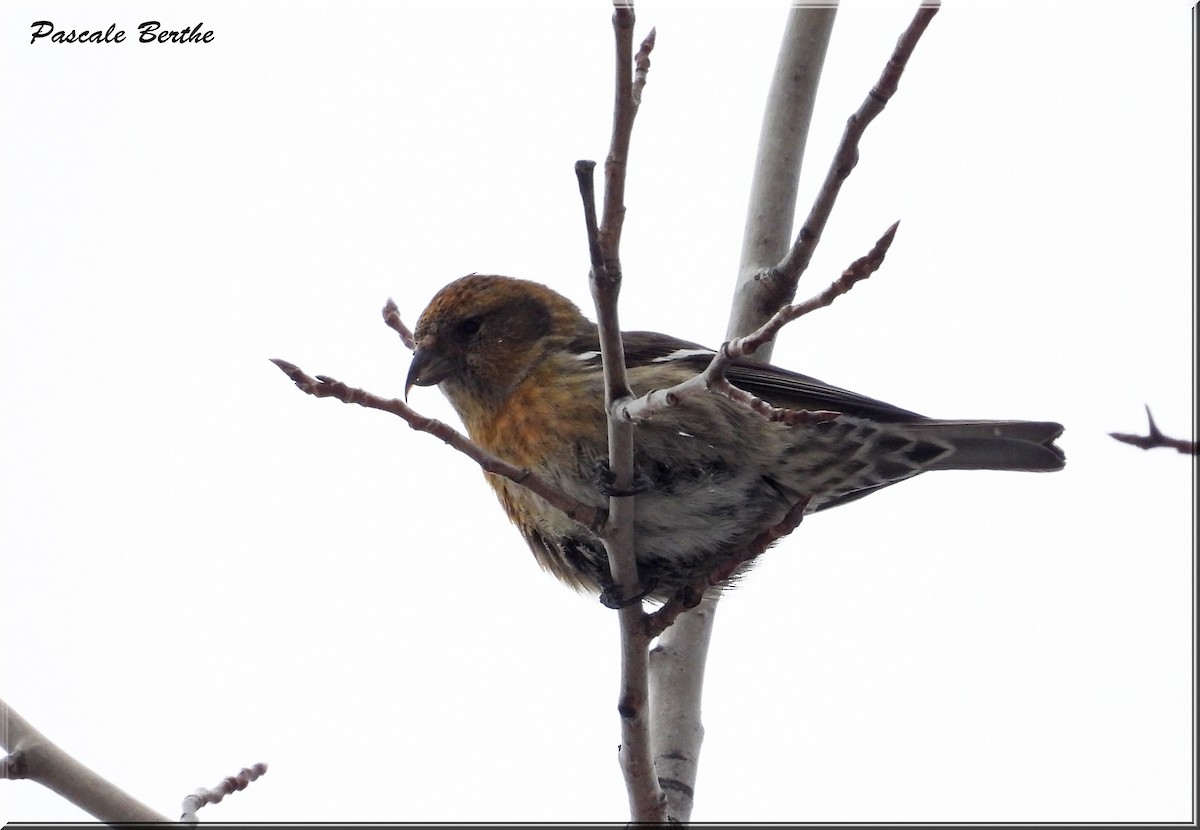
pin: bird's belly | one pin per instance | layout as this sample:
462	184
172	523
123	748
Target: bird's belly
687	520
683	534
710	479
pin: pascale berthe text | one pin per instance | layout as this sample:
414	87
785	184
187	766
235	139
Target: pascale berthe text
149	32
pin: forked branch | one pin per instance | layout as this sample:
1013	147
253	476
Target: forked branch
777	286
35	757
713	379
1154	437
647	802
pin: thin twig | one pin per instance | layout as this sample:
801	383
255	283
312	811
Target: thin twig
713	379
647	802
859	270
323	386
391	316
618	536
792	266
625	108
585	176
228	786
1155	438
642	63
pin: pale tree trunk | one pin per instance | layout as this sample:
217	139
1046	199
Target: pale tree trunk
677	662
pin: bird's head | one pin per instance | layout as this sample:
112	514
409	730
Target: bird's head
482	335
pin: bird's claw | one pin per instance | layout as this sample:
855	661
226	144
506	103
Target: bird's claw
689	596
610	599
606	485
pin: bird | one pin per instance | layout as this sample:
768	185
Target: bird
521	366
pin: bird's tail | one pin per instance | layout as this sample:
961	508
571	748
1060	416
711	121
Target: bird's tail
997	445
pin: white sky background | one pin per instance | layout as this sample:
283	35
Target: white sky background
203	568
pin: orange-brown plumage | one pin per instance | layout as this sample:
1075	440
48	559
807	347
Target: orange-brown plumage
521	366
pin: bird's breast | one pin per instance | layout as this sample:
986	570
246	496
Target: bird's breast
545	421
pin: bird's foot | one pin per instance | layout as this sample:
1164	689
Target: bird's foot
606	485
689	596
609	597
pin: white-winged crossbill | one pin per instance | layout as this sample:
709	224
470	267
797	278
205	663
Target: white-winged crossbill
521	366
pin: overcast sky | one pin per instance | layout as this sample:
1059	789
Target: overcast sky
203	568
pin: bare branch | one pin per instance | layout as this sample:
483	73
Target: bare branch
391	316
323	386
792	266
585	176
791	417
642	63
677	663
859	270
771	213
647	802
618	539
646	799
713	379
35	757
228	786
1155	438
624	110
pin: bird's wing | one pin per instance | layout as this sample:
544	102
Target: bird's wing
796	391
777	386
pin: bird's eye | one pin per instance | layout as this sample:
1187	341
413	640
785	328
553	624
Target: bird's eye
468	327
